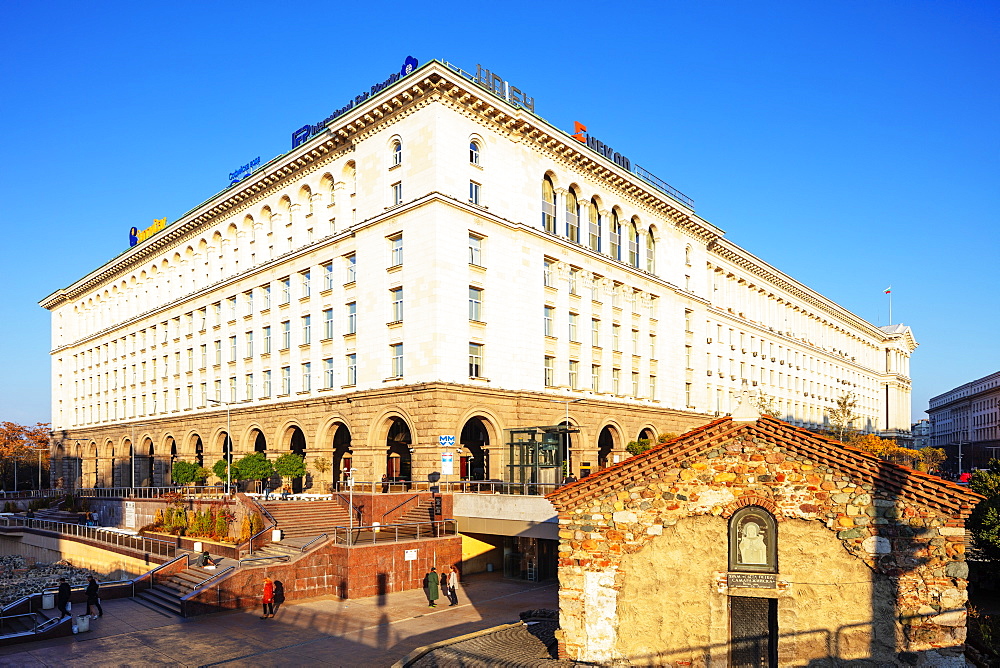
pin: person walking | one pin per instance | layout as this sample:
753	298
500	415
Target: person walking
268	598
431	581
94	597
62	598
451	586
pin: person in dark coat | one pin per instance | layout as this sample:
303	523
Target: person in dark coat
62	598
94	596
431	581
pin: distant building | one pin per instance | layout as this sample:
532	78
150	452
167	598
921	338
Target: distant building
921	432
965	421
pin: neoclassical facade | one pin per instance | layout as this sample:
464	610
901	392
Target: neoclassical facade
967	419
439	261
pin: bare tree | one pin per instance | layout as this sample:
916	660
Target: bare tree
843	416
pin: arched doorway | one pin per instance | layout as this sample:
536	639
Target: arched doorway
168	475
199	451
297	444
605	444
259	443
143	463
93	466
227	456
398	459
343	458
476	439
648	435
566	440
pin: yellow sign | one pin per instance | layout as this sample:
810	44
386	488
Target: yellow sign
135	236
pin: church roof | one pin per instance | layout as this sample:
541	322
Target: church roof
929	490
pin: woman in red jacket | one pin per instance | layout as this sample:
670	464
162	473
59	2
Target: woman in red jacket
268	598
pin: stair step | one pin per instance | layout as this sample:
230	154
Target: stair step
161	599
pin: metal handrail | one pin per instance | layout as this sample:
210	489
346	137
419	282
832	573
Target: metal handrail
381	533
155	546
201	584
317	538
274	557
339	496
147	492
33	615
249	543
398	505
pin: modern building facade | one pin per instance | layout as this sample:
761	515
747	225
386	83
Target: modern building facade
965	422
435	260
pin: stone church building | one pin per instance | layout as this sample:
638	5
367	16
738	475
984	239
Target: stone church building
749	542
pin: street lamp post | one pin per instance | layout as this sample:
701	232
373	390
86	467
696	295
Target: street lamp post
565	434
229	440
350	504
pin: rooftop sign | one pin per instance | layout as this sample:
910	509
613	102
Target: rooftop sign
135	236
495	83
242	172
303	134
599	146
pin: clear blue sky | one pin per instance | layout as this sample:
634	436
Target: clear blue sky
853	145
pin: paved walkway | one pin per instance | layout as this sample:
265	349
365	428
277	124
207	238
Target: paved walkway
323	631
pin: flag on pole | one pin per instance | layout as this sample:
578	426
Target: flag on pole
888	290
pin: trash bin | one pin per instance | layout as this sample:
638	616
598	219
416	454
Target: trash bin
83	623
197	546
275	535
48	601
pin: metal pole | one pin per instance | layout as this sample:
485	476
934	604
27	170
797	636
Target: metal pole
350	503
229	454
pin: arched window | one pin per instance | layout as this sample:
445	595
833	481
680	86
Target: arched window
595	227
397	152
753	541
650	252
572	217
548	206
474	152
687	255
616	236
633	244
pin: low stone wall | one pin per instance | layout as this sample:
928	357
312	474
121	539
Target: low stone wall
49	548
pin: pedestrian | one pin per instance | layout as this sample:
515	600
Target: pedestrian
62	598
431	581
385	483
268	598
94	597
451	588
267	492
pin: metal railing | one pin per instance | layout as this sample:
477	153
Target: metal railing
273	557
204	491
318	538
393	533
34	625
151	546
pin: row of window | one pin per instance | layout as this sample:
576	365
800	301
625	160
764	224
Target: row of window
575	381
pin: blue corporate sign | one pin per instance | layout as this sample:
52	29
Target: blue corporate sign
303	134
244	171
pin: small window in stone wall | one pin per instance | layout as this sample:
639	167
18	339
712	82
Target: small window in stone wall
753	541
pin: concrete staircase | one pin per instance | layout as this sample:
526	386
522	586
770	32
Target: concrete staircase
306	519
26	624
166	593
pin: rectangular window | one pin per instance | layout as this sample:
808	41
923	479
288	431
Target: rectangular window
687	395
652	387
267	340
352	318
218	389
265	291
190	397
595	333
550	312
352	369
306	376
204	394
351	272
616	381
476	304
550	371
286	290
475	360
475	250
266	385
217	313
396	250
286	380
190	366
635	341
396	350
306	329
203	349
249	344
616	341
248	386
687	357
573	317
218	351
595	377
652	346
474	190
248	302
328	276
574	373
397	304
232	348
305	280
232	389
547	277
286	335
328	323
328	375
396	193
635	383
574	275
231	308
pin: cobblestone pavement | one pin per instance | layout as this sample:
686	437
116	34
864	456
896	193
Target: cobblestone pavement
531	645
323	631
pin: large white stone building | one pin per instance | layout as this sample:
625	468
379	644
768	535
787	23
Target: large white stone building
435	259
966	420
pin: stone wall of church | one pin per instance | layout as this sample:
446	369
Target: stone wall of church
861	571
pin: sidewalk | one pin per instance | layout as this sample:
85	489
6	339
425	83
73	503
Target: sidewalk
326	631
